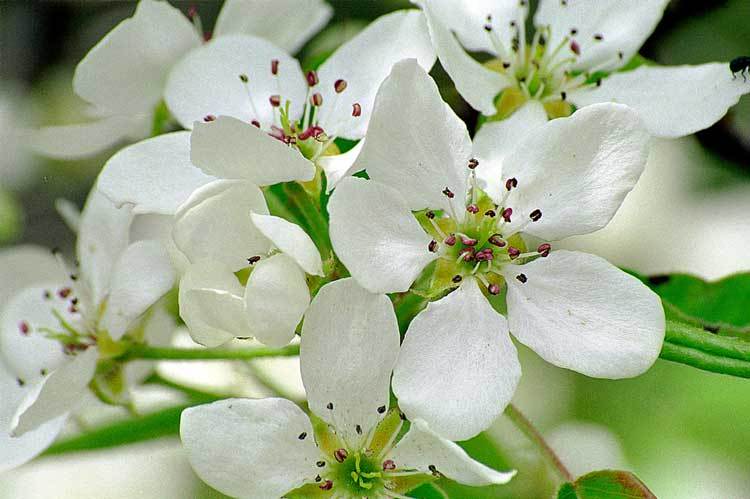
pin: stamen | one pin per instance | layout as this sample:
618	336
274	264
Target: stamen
448	193
381	409
312	78
536	215
468	241
274	67
23	327
493	289
497	240
513	252
484	255
544	249
389	465
356	109
507	212
490	213
466	254
275	100
575	48
450	240
598	37
340	455
253	259
302	435
511	183
433	246
320	464
473	209
522	278
255	123
473	163
316	99
244	78
339	86
457	278
327	485
209	117
64	292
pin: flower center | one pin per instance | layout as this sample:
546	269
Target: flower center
540	71
481	243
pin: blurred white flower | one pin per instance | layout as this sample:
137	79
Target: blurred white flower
18	167
545	180
573	57
269	447
52	334
123	77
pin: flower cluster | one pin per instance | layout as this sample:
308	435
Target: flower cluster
404	261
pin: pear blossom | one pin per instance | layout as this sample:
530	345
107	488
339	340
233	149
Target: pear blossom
123	77
54	334
349	446
480	218
578	56
224	228
244	97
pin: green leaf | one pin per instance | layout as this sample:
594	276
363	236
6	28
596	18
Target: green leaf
718	303
605	485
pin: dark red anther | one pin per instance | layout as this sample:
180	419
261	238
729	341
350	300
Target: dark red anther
535	215
23	327
312	131
340	455
507	212
493	289
244	78
544	249
430	214
316	99
255	123
253	260
497	240
209	117
433	246
327	485
64	292
389	465
598	37
511	183
490	213
356	109
484	255
522	278
274	66
473	209
473	163
73	309
448	193
467	254
312	78
468	241
575	48
275	100
450	240
513	253
192	11
339	86
457	278
488	27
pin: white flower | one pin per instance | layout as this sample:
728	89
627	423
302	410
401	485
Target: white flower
268	448
123	77
52	334
573	57
548	180
237	90
225	227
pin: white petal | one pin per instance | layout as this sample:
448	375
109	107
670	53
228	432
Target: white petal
476	83
86	139
211	304
286	23
420	448
576	170
291	240
215	224
61	392
276	297
142	274
154	175
126	71
349	344
416	144
23	266
26	355
69	212
250	448
207	82
467	19
102	236
229	148
457	368
580	312
339	166
376	236
497	139
15	451
672	101
624	25
364	62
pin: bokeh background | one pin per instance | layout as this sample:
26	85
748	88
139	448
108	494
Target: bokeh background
684	432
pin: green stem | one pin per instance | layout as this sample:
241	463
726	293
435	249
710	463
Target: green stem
527	428
170	353
698	339
704	360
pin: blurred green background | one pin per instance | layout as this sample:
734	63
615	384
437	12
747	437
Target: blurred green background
684	432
